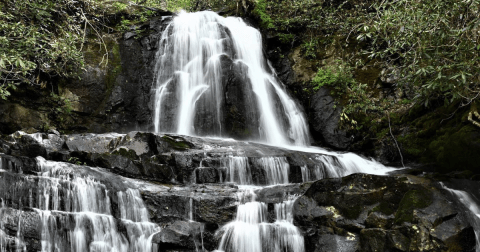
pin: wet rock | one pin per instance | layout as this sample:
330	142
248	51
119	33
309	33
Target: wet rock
378	220
180	234
393	213
325	120
357	212
241	115
397	240
208	175
373	239
15	117
337	243
171	158
29	225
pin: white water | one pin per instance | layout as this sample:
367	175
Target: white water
238	170
251	231
467	200
134	215
95	229
188	64
332	164
3	235
276	169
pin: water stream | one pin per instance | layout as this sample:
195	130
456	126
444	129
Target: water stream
63	193
197	52
189	82
473	210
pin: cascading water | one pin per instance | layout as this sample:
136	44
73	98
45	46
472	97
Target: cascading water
190	85
238	170
467	200
94	227
251	231
3	236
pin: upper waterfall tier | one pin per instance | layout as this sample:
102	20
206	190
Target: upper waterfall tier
212	79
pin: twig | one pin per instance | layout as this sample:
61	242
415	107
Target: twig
393	137
84	32
451	115
100	37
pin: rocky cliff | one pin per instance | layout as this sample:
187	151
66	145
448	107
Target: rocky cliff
186	186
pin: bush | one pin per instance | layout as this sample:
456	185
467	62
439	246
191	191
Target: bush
339	79
434	44
337	76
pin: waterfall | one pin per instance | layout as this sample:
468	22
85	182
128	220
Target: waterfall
196	52
474	210
93	227
251	231
238	170
3	236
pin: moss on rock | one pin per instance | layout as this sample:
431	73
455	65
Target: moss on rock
413	199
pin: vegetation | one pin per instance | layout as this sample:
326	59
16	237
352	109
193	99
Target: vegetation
433	47
436	46
429	50
339	79
38	38
43	39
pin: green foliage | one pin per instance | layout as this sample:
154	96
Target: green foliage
339	79
75	160
119	6
37	39
261	11
309	48
336	76
63	105
435	44
176	5
43	39
286	38
124	25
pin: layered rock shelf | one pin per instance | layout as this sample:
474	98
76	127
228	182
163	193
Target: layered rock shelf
190	191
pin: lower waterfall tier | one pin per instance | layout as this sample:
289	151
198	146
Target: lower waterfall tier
148	192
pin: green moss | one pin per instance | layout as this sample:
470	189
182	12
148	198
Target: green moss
384	208
352	212
367	75
286	38
382	133
115	67
411	145
177	143
413	199
131	154
458	150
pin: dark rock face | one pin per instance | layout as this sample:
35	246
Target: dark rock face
188	213
162	158
241	116
116	97
325	119
371	213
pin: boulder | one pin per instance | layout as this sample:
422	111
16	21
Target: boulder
393	213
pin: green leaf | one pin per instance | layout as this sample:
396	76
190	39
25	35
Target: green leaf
21	63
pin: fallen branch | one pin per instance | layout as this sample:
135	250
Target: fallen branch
393	137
